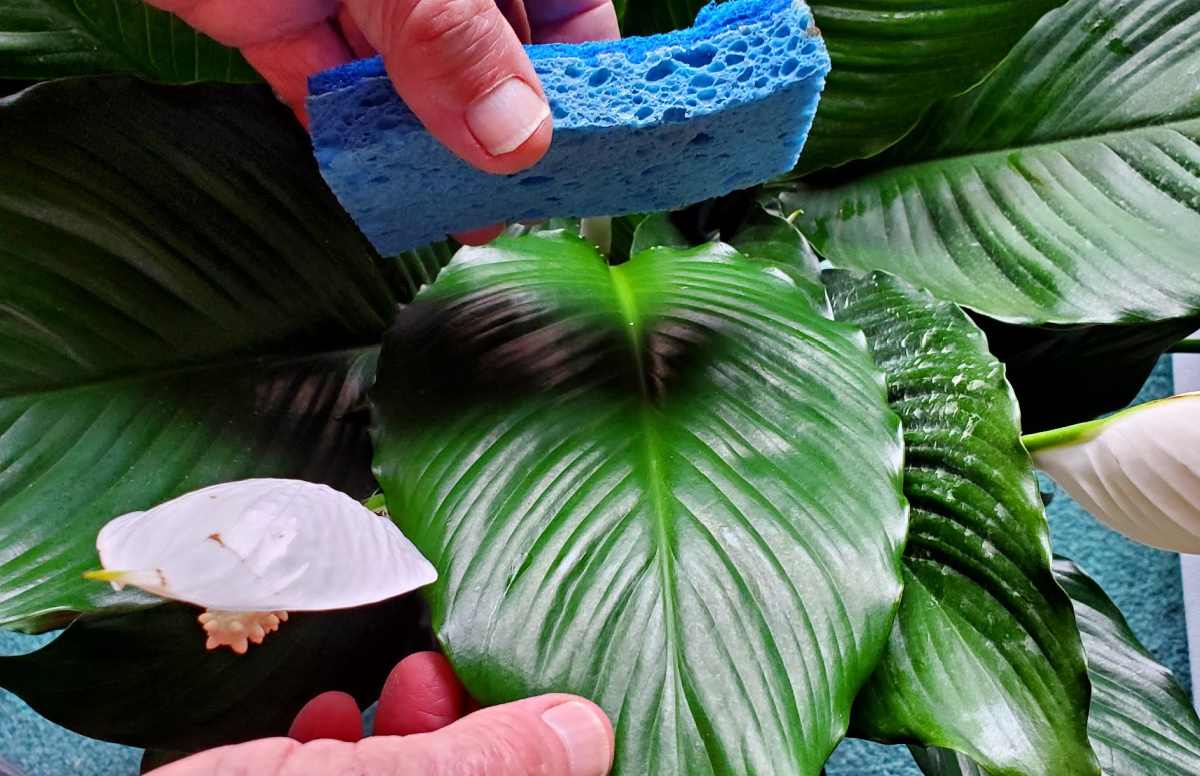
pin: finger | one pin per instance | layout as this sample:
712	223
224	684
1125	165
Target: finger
421	695
558	734
329	715
461	68
358	42
241	23
572	21
286	63
480	236
518	19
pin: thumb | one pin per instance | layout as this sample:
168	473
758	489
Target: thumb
460	67
552	735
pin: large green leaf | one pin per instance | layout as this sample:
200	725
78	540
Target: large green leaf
145	679
1066	189
670	485
985	656
892	60
43	39
1141	723
182	302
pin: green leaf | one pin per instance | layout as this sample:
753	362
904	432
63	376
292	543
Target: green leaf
44	39
145	679
985	656
656	230
420	266
671	486
1141	722
890	62
943	762
770	237
182	302
1066	189
623	230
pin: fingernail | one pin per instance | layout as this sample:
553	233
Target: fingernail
584	735
504	118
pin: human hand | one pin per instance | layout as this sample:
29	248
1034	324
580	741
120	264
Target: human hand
420	730
458	64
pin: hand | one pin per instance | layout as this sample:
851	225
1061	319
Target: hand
457	63
418	732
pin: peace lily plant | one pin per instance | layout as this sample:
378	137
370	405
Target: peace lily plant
753	481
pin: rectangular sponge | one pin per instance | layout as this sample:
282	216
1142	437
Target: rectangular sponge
640	125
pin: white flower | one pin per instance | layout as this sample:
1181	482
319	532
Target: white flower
261	547
1138	471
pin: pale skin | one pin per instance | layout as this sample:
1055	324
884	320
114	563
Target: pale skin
422	729
460	66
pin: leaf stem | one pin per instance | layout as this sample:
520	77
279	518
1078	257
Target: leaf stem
1191	345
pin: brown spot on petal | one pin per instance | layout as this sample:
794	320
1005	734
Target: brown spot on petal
216	537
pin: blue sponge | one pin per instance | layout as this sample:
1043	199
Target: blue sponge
640	125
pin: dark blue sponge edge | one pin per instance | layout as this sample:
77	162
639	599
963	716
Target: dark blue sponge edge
641	124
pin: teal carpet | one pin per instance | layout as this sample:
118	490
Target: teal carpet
1145	583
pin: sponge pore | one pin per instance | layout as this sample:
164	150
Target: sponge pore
640	125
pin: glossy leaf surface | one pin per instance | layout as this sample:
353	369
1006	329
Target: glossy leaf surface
1142	722
891	61
985	657
182	303
1065	189
1138	471
44	39
671	486
145	679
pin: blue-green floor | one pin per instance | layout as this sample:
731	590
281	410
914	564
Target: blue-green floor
1145	583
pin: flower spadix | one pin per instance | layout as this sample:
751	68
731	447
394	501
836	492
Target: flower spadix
250	551
1137	471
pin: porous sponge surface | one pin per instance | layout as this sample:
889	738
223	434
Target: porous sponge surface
640	124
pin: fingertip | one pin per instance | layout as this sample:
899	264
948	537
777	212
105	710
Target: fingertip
512	127
333	715
421	695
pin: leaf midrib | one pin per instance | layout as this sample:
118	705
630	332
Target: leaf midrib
631	318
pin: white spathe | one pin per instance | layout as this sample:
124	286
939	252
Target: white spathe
263	545
1137	472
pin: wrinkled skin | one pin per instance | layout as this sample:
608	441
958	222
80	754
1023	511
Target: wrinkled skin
423	728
